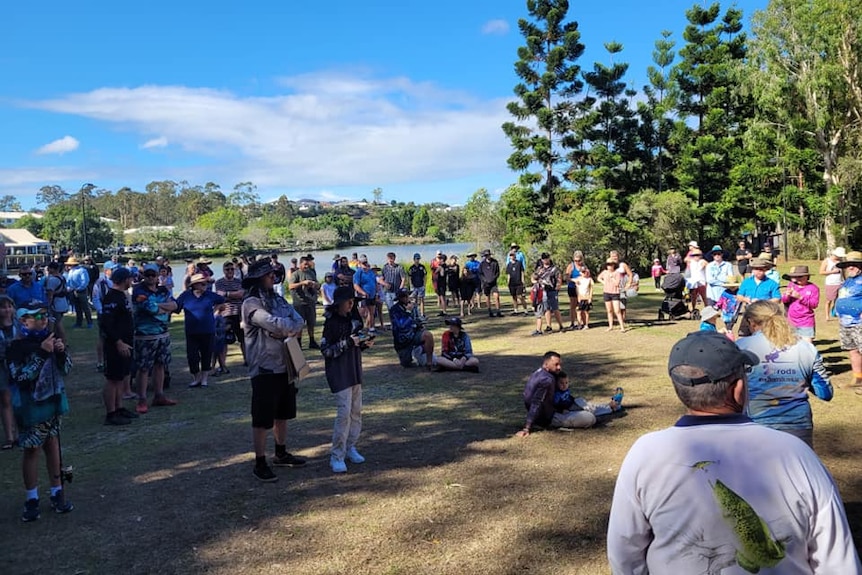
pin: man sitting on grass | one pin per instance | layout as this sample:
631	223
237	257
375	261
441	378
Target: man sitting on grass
412	341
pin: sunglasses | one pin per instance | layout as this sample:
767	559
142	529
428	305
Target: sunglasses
25	274
150	275
37	316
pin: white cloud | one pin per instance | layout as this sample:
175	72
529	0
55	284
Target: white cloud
327	130
496	27
61	146
159	142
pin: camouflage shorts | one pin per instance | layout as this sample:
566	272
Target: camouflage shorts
149	352
851	337
33	437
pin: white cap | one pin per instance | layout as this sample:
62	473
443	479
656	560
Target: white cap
839	252
693	244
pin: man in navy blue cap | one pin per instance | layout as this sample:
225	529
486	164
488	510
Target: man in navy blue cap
719	493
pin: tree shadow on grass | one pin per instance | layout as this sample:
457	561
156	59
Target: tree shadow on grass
161	492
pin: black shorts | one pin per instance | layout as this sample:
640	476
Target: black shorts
585	305
272	397
516	290
308	311
117	367
572	291
611	297
488	289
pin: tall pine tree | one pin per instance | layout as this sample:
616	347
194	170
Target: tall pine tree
714	112
550	80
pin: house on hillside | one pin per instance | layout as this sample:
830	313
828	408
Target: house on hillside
19	246
8	219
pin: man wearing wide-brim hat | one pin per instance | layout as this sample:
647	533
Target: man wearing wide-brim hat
757	286
801	298
268	319
772	271
848	306
834	278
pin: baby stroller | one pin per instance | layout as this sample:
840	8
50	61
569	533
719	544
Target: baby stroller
674	305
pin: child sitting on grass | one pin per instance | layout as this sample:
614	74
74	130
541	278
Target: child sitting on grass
577	412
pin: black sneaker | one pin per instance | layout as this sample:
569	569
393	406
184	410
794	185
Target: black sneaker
59	503
265	474
313	345
31	511
127	414
115	418
549	329
287	460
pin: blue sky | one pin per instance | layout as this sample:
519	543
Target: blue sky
406	96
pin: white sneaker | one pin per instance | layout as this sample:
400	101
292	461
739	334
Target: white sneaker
354	456
337	465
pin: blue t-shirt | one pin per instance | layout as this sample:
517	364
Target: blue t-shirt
778	386
767	289
473	266
367	280
199	311
706	326
21	294
563	400
848	306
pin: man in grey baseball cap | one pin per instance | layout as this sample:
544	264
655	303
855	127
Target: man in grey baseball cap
718	492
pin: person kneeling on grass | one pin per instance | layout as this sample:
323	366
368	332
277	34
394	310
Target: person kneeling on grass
342	345
37	365
457	350
576	412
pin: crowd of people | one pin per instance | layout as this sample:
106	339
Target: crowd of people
740	383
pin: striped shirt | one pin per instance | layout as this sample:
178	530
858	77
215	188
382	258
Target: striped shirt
394	275
224	285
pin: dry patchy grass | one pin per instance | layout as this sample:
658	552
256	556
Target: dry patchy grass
446	489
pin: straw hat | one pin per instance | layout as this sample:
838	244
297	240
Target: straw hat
72	261
197	279
732	281
797	272
853	258
766	256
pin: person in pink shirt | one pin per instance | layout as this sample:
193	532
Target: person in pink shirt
801	298
656	271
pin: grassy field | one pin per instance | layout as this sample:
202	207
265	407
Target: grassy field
446	489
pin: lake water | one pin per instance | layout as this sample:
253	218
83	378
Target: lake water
376	255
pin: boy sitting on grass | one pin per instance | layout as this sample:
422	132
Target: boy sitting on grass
577	412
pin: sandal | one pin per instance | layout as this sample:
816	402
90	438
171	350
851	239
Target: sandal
8	445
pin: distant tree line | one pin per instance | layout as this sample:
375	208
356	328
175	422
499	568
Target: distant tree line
179	216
